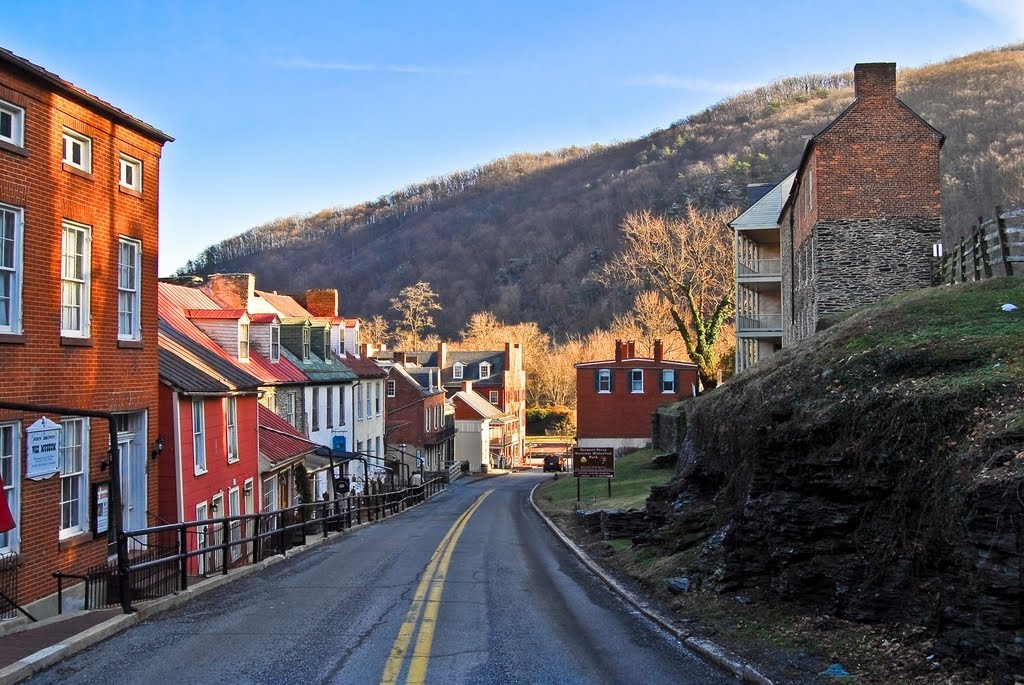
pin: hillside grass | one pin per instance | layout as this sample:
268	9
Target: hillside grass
631	486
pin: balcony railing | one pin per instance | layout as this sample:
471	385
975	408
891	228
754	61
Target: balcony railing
758	322
759	267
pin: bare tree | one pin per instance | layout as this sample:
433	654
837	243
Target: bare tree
688	261
414	305
375	331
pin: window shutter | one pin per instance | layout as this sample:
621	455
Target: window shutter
675	381
597	381
611	380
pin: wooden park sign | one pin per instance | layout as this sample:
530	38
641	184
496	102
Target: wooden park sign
593	462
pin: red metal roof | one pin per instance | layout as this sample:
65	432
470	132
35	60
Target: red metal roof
284	304
363	366
174	301
261	317
216	313
279	441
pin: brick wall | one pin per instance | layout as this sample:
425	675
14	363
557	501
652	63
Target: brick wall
37	366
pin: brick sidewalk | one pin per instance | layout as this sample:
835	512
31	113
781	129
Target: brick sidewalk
34	638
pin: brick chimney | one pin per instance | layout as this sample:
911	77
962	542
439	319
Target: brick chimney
631	349
618	350
659	351
322	302
467	386
508	356
231	291
442	355
874	79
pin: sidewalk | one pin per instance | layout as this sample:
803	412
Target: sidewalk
35	637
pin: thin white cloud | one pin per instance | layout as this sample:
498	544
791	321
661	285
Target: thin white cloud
688	83
1008	13
310	65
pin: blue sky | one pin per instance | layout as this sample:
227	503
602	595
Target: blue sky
286	108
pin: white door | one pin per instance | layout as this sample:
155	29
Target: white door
131	455
202	513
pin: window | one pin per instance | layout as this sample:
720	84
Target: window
235	509
305	344
668	380
493	396
426	419
636	380
341	406
10	269
9	461
391	388
77	151
330	407
457	371
327	347
74	281
128	290
275	343
131	173
12	124
376	398
243	341
74	451
377	450
369	402
316	409
604	380
359	401
231	420
198	437
485	370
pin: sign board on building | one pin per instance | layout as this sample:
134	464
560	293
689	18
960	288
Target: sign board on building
338	443
42	448
100	508
593	462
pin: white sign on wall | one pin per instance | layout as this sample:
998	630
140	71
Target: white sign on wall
42	449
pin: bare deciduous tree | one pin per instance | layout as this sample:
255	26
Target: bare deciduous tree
688	261
375	331
414	305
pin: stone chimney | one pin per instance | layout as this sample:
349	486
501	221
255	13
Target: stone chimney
442	355
631	349
659	351
467	386
874	79
322	302
231	291
618	350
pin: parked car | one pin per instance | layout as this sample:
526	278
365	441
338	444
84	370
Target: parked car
553	462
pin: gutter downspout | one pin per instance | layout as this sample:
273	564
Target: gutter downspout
178	476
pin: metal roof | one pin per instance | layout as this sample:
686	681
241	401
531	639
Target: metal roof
485	409
280	442
205	365
286	305
216	313
765	212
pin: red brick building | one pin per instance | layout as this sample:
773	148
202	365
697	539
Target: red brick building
416	422
79	197
615	398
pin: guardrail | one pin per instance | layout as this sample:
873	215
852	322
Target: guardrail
169	555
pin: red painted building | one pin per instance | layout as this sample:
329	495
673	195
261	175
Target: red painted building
615	398
79	198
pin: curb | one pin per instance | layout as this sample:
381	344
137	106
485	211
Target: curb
705	649
48	656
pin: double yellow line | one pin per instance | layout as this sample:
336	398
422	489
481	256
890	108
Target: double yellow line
423	611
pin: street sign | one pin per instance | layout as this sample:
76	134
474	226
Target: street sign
593	462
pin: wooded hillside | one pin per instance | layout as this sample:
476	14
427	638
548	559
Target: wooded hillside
522	236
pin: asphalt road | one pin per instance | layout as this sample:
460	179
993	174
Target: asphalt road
470	587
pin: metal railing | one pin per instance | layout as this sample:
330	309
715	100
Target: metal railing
758	322
759	267
175	552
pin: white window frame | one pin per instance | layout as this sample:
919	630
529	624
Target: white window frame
359	402
129	290
668	381
305	343
129	166
636	377
392	386
485	370
457	371
314	409
17	115
70	139
11	246
369	402
275	343
492	397
202	514
376	398
198	436
341	406
330	407
235	527
231	428
243	341
74	485
75	282
604	380
10	456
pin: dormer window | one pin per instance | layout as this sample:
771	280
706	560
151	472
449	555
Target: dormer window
485	370
457	371
305	344
275	344
243	341
327	348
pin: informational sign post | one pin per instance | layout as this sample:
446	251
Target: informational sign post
593	462
42	448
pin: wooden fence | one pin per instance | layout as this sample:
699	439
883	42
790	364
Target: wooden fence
994	248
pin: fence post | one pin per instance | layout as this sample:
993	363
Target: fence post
986	261
224	552
976	250
182	550
962	262
325	514
1004	247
